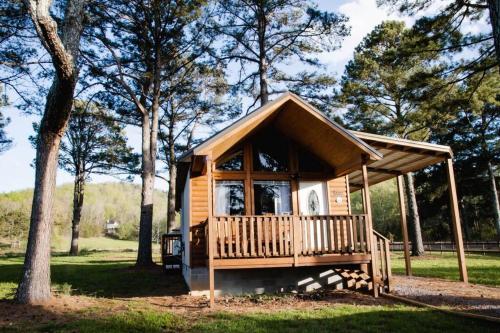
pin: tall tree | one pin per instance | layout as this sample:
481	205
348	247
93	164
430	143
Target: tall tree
263	37
474	135
141	44
62	42
451	25
93	144
193	99
379	89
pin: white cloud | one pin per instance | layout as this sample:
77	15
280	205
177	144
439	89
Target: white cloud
363	15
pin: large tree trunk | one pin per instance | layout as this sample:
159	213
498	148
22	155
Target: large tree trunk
417	245
494	7
495	205
35	282
78	195
63	48
144	254
171	196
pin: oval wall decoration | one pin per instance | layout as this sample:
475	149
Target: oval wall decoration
313	203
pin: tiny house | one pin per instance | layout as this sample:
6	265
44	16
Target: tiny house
266	202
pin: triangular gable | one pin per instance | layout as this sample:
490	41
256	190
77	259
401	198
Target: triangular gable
228	137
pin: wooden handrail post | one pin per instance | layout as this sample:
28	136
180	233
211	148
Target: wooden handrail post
296	230
388	264
455	216
368	212
211	238
404	225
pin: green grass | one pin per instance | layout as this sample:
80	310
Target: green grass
61	244
482	269
348	318
107	276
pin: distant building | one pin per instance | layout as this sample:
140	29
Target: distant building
111	227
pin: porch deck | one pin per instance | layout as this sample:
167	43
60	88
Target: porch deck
295	240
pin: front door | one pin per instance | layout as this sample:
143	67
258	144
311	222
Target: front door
312	198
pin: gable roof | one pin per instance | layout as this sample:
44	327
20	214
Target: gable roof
229	136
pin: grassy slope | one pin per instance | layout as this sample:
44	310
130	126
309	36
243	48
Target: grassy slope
482	269
106	274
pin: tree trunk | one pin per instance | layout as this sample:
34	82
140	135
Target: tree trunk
78	194
417	245
494	198
263	67
144	254
494	7
35	282
171	196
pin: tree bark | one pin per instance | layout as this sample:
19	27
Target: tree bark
144	254
78	196
263	67
35	282
63	48
494	198
171	195
417	245
494	8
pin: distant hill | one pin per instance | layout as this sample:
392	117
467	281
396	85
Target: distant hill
116	201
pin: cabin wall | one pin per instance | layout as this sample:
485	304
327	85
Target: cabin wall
199	214
338	196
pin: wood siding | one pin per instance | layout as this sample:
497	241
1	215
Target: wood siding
338	187
199	214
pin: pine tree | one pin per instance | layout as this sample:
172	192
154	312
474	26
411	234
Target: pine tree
264	37
383	95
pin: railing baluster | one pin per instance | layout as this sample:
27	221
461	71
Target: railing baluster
259	236
237	221
349	233
244	236
273	221
355	219
281	250
252	236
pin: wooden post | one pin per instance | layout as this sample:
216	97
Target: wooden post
368	212
404	225
211	239
296	231
455	216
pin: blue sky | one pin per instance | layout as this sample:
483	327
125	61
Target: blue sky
16	172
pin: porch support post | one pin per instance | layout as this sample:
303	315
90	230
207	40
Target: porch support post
455	217
404	225
368	212
211	240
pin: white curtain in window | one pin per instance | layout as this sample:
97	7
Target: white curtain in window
223	196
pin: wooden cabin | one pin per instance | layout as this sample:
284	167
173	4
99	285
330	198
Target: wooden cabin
266	202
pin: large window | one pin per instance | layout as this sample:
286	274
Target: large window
232	162
270	153
229	198
272	197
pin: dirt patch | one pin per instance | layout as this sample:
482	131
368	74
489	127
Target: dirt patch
472	298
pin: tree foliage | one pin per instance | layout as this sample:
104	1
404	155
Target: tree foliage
262	38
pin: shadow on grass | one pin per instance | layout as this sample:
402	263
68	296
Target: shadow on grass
107	279
342	318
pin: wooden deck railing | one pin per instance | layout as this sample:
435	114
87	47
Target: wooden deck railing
382	260
287	235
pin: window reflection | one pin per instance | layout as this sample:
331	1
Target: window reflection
233	162
272	197
270	153
229	198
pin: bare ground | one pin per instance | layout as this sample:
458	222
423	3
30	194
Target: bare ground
470	297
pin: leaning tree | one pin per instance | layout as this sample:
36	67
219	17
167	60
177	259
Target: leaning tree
60	36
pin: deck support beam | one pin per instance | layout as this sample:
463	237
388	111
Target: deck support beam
404	225
455	217
211	238
368	212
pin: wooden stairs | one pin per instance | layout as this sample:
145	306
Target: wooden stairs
358	280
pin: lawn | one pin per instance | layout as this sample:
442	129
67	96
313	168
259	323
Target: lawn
482	269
